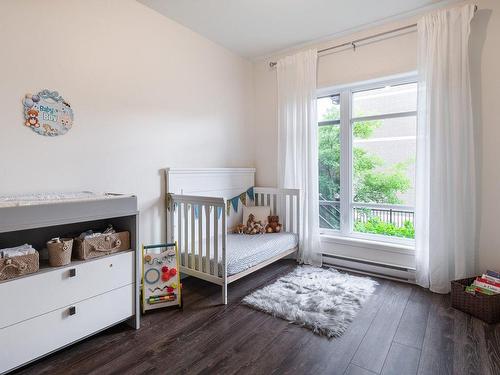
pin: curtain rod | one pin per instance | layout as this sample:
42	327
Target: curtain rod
353	43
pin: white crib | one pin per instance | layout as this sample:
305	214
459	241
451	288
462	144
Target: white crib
199	223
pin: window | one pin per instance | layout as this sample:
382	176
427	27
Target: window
367	146
329	161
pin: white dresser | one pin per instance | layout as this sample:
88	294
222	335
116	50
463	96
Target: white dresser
57	306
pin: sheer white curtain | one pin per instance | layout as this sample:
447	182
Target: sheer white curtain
445	202
298	144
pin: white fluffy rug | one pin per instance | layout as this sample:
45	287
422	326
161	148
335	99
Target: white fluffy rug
321	299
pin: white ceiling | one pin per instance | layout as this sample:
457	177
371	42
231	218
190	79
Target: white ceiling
254	28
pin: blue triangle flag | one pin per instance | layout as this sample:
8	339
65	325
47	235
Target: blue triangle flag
251	194
234	202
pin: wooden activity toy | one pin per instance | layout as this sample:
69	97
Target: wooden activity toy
161	284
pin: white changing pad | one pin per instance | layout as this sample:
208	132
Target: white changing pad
55	197
245	251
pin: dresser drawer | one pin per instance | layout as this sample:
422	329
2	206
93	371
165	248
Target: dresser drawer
52	289
36	337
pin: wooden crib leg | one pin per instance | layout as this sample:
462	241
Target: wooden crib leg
224	294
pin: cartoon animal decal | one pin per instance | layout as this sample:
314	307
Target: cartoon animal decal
32	118
49	130
65	120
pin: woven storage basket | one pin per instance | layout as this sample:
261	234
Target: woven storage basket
101	245
60	252
19	266
486	308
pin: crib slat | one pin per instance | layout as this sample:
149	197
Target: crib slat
297	217
215	270
200	238
193	242
271	204
179	225
292	216
283	212
224	250
186	235
207	250
171	222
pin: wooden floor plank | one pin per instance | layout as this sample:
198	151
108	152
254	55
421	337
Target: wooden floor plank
437	349
468	341
401	359
412	326
356	370
244	356
492	343
373	349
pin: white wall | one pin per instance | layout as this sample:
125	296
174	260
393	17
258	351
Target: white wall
147	93
393	56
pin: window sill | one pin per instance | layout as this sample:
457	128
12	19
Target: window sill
369	244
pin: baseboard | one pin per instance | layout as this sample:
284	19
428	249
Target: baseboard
387	271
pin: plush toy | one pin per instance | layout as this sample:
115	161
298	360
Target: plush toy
240	229
273	224
253	227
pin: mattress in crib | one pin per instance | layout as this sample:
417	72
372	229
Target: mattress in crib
246	251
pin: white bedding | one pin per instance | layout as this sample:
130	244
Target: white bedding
245	251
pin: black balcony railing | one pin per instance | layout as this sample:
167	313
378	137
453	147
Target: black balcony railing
329	213
389	215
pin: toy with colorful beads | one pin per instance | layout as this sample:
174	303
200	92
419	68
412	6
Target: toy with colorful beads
160	277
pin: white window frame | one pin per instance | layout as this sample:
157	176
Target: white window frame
346	120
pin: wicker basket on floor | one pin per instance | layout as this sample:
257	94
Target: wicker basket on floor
484	307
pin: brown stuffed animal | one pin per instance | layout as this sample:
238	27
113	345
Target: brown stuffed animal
254	227
273	224
240	229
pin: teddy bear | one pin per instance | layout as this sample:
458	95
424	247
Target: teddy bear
254	227
273	224
240	229
32	119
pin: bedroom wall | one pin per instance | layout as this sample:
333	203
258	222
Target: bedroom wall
394	56
147	93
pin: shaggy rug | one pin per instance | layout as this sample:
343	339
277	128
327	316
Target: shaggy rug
321	299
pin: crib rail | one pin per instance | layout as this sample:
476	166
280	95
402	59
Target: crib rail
283	202
198	224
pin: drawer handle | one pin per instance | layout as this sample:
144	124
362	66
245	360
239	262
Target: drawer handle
72	272
72	310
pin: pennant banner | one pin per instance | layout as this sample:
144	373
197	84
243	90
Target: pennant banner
234	202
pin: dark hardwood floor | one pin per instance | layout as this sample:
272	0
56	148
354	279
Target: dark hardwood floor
402	329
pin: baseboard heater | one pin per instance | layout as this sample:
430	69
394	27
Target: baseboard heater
370	268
